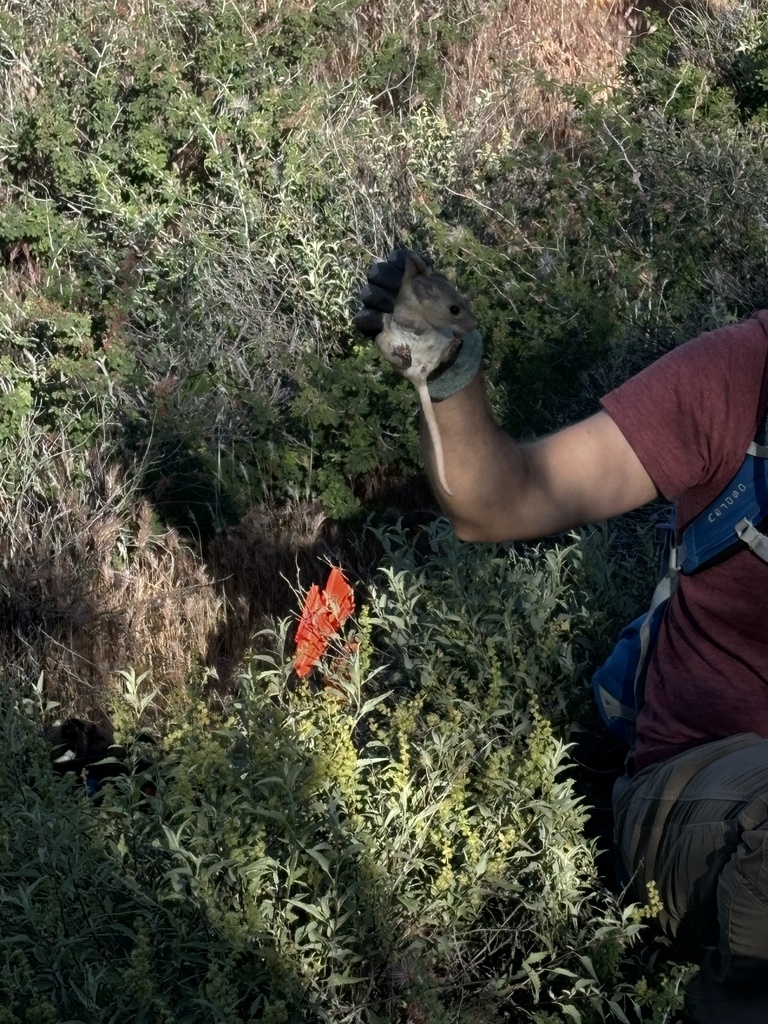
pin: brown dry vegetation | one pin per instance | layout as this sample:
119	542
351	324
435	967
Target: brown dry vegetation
90	585
500	48
508	48
577	41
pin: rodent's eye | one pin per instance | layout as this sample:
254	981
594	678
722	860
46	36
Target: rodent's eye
455	310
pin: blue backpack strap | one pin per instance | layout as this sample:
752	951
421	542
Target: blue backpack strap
618	686
734	516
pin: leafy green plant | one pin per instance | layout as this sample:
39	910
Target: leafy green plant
397	838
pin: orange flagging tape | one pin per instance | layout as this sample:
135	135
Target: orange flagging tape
323	614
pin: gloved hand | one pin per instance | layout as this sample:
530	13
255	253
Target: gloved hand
380	294
379	297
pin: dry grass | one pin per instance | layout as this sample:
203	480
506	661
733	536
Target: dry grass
523	42
507	49
500	48
92	584
89	584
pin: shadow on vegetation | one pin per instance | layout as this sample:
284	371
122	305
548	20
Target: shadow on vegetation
213	896
108	895
261	563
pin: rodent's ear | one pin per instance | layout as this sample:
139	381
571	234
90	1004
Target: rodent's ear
421	263
470	296
427	289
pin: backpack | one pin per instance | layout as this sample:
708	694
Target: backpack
722	528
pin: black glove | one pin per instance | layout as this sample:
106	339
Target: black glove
380	294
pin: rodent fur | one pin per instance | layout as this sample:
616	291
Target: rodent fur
425	330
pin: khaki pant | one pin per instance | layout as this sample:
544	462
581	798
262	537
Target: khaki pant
697	825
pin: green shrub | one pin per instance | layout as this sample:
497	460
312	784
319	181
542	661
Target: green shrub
188	213
396	839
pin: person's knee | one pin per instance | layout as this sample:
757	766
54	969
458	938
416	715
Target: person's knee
742	897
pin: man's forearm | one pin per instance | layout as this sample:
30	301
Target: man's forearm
485	468
504	490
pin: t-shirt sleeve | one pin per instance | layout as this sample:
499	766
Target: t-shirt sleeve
690	415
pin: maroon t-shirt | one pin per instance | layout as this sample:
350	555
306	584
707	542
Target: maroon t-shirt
690	417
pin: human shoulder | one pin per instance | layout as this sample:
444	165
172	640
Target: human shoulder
742	345
691	413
